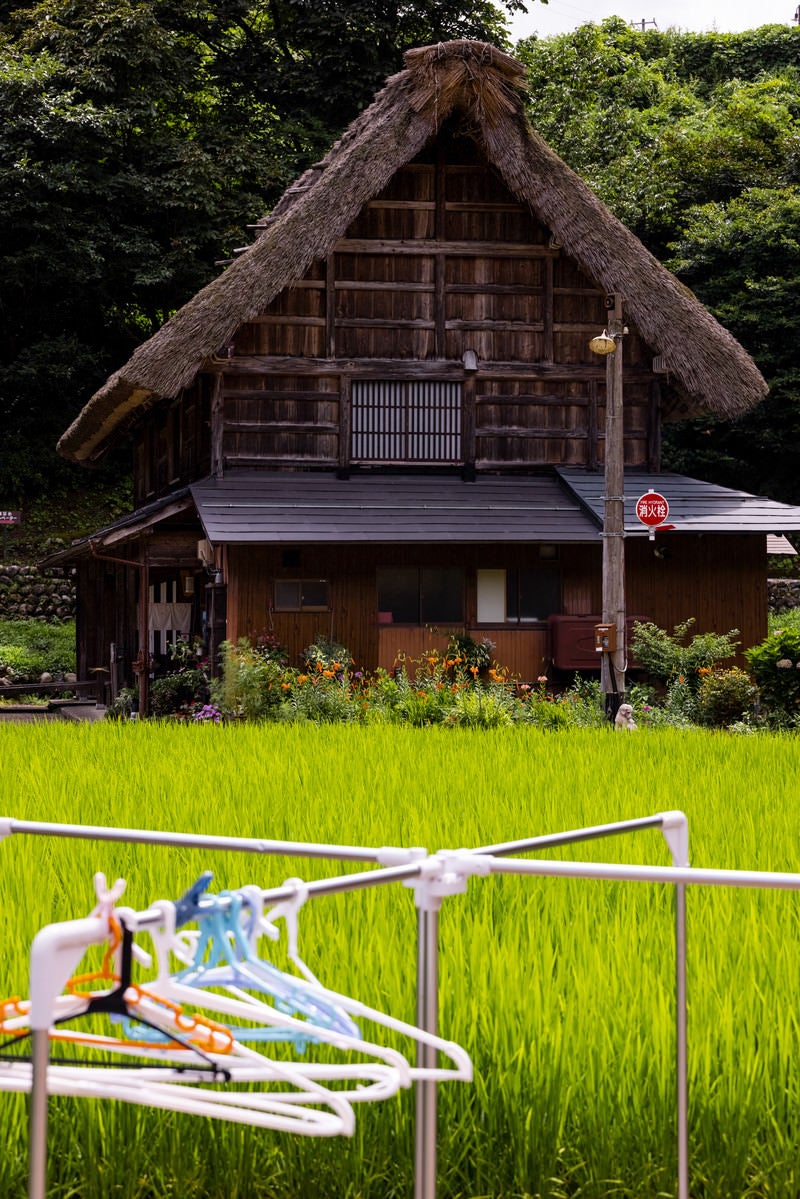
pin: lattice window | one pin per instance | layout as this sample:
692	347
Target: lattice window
406	422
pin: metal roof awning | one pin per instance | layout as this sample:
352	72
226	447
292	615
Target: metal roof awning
268	508
694	506
168	506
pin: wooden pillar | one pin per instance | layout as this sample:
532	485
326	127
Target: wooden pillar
345	423
144	640
612	672
548	305
217	426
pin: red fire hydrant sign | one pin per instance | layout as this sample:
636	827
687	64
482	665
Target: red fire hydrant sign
652	509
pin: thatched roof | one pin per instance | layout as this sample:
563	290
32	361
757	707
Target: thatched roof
704	361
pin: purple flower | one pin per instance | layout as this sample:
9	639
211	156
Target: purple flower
208	713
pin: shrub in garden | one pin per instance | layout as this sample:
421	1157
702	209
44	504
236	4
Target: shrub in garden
326	654
321	696
480	707
725	696
775	666
183	690
670	657
177	692
470	656
124	703
580	706
423	694
251	684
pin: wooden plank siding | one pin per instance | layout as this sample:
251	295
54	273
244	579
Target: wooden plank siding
443	261
173	445
731	571
106	615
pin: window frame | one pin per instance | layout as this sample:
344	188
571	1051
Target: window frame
300	606
550	575
424	617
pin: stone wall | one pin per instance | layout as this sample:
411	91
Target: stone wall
27	591
783	594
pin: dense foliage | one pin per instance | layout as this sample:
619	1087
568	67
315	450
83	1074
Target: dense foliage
692	140
676	680
30	648
139	138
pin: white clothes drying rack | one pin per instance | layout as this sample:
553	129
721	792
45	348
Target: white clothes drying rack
433	877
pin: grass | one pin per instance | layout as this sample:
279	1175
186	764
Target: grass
561	990
30	647
784	620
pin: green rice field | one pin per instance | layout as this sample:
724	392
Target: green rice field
561	990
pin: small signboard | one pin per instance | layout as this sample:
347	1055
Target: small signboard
652	509
7	517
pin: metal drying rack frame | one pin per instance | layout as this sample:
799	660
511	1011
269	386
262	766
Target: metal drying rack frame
433	877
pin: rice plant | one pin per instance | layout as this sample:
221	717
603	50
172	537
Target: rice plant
561	990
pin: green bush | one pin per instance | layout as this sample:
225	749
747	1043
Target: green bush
322	697
725	697
251	684
29	648
472	656
327	654
775	666
177	691
123	704
669	656
777	622
477	707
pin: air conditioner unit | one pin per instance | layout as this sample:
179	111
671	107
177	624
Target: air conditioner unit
205	552
572	641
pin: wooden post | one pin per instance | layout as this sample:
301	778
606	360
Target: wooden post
612	671
144	640
217	426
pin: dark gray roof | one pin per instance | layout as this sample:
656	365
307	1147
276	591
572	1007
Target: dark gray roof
176	503
306	507
694	506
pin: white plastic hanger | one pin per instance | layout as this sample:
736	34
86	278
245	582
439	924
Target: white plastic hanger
289	910
240	1005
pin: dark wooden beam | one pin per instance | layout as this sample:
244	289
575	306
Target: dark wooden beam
427	247
217	425
330	307
592	438
345	422
548	315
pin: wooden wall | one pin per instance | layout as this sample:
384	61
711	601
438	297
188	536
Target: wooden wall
720	580
172	446
106	615
443	261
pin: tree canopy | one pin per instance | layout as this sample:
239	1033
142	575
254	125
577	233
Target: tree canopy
694	142
139	139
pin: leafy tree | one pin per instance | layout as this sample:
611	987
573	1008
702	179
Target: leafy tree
139	138
742	257
694	141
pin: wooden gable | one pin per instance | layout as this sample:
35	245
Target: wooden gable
365	360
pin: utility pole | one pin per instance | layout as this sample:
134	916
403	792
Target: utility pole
613	662
643	24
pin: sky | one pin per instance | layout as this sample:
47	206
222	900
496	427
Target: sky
698	16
